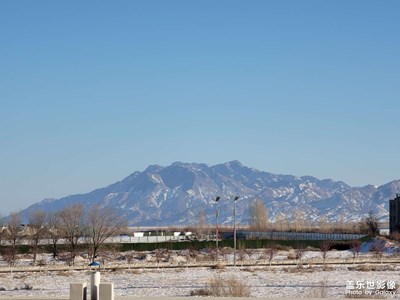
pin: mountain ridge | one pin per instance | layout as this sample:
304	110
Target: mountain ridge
175	194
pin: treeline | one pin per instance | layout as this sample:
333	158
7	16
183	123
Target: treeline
70	224
299	222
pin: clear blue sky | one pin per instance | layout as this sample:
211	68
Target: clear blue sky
91	91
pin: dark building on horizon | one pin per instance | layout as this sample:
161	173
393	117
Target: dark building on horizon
394	214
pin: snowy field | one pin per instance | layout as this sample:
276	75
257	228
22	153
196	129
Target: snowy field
308	279
263	281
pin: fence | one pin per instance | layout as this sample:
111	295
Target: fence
313	236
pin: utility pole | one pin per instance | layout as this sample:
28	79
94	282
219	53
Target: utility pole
234	229
216	224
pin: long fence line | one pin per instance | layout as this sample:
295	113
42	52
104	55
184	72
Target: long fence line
247	235
277	235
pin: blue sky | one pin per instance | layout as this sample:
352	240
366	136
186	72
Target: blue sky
91	91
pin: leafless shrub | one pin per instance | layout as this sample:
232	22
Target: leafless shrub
41	262
379	250
250	270
328	268
66	258
291	255
64	273
291	270
224	287
270	252
201	292
370	224
226	251
325	246
249	253
318	291
160	255
10	255
218	266
130	257
355	248
242	252
26	286
363	268
299	253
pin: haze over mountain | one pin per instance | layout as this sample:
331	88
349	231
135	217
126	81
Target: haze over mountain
174	195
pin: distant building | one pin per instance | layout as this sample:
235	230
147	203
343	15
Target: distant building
394	214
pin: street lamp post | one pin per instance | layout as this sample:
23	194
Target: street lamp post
216	225
234	229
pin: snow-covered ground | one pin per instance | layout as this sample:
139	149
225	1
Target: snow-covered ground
306	280
263	281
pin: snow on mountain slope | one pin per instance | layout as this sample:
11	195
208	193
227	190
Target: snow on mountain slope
177	193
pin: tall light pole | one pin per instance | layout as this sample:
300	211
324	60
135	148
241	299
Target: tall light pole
234	229
216	224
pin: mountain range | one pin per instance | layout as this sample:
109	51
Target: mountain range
177	194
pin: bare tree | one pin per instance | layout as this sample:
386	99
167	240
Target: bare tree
270	252
102	223
249	253
54	231
299	252
355	248
9	255
71	218
14	234
370	224
282	222
200	226
379	250
160	256
258	215
37	221
325	246
242	252
129	258
324	224
299	220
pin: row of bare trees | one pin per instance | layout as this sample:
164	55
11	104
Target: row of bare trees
71	224
258	220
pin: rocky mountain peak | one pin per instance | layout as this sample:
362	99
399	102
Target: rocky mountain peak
175	194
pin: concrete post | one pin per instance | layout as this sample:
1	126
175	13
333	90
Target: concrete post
94	287
78	291
106	291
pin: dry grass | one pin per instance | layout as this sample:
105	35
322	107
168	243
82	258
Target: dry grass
318	291
367	268
291	254
300	269
224	287
248	269
25	286
65	273
218	266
